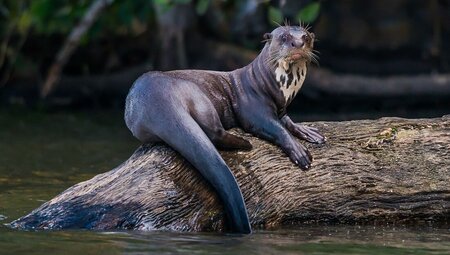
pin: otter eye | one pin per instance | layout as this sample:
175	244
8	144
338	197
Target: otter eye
284	38
306	38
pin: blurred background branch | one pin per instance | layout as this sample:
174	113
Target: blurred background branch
72	42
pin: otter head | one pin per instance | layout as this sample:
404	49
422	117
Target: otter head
290	49
290	45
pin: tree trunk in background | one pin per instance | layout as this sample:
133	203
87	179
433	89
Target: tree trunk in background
172	27
371	171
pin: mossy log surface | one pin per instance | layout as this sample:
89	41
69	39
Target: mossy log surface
389	170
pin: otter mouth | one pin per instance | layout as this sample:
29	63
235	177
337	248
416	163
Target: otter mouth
297	57
293	58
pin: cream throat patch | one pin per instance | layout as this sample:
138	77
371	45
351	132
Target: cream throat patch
290	78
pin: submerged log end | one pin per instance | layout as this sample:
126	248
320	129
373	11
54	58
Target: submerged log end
378	171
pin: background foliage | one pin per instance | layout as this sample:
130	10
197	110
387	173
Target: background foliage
371	38
21	19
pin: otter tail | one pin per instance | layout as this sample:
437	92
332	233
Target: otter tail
186	137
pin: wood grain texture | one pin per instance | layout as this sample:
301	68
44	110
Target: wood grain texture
370	171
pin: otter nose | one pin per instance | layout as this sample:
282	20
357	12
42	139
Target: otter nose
297	43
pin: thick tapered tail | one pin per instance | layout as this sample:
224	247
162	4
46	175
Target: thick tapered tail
193	144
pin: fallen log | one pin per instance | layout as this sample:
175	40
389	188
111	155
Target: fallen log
389	170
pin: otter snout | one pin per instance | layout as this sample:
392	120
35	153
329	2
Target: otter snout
302	41
297	43
292	41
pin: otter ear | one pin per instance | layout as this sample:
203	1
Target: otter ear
313	38
267	36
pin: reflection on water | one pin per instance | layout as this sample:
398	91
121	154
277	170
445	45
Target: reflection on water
43	154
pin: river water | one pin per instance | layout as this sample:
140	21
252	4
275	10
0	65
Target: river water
42	154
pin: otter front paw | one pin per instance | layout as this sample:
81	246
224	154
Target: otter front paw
310	134
300	156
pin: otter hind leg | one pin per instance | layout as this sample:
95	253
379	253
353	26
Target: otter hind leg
227	141
208	119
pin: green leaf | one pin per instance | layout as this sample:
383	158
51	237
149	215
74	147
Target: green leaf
24	22
202	6
275	15
309	13
42	11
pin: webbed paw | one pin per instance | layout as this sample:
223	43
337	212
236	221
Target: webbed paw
310	134
301	156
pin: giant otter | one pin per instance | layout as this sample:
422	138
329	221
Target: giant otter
191	110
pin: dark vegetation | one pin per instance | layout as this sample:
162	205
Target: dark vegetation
373	40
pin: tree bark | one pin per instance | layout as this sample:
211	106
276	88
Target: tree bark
389	170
